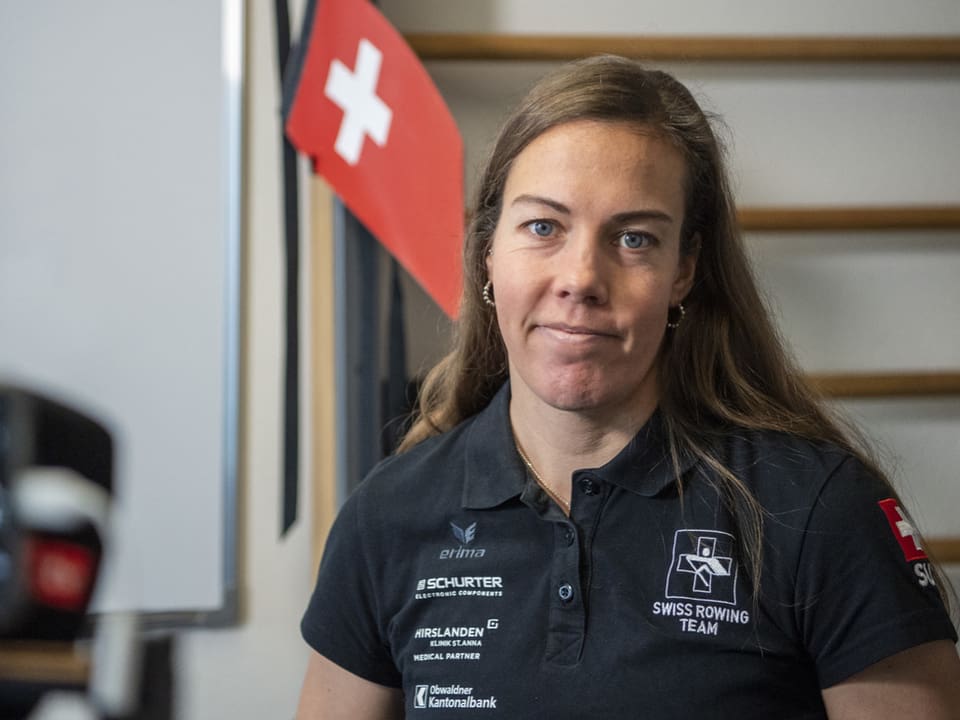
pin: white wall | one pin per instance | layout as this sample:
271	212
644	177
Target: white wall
799	134
254	671
805	134
111	176
694	17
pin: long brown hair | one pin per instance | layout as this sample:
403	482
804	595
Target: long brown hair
725	365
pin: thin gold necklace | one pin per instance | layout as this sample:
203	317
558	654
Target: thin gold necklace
565	506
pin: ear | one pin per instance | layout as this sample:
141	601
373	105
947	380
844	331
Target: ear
686	272
488	260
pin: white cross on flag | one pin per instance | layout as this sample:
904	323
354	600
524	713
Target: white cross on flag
903	529
369	116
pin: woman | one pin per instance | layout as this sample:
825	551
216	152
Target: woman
620	499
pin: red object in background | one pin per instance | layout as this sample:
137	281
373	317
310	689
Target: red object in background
61	573
369	116
904	530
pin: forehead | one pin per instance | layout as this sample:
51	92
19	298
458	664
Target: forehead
623	162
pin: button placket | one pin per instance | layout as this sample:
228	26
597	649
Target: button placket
566	538
566	620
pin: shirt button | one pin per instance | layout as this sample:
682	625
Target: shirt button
569	535
589	486
565	592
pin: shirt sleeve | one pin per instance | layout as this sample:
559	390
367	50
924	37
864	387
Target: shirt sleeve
864	587
342	621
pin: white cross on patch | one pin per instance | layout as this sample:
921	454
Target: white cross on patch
364	114
906	529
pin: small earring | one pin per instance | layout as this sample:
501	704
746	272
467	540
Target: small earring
675	325
487	297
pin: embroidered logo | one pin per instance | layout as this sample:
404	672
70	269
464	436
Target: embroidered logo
449	697
466	535
703	567
903	529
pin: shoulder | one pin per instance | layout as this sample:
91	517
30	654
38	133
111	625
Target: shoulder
415	465
788	471
398	504
818	497
434	469
780	452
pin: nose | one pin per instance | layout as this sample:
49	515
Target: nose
581	275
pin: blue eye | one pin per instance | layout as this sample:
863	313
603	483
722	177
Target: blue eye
541	228
634	240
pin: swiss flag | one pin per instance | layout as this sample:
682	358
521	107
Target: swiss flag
369	116
903	529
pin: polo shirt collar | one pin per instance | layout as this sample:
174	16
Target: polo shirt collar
494	472
645	466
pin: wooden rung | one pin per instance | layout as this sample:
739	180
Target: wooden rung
61	664
475	46
817	219
944	549
849	218
840	385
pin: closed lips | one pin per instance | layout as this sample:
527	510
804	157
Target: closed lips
577	330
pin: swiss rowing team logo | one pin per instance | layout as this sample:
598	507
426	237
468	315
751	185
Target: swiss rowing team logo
703	567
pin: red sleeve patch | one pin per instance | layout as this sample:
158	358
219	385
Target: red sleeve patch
903	529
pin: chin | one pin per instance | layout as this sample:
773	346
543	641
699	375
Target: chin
578	397
600	390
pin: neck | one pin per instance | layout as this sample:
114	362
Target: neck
557	441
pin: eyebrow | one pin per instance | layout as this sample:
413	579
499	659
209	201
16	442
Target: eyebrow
538	200
655	215
624	217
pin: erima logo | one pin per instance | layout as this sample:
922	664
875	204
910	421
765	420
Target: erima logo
464	536
703	567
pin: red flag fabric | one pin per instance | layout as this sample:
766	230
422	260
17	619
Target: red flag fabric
368	114
904	531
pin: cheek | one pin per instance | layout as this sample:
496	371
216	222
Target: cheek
512	283
645	299
514	307
507	305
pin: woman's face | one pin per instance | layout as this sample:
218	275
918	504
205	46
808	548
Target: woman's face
586	263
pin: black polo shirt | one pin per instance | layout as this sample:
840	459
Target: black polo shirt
450	574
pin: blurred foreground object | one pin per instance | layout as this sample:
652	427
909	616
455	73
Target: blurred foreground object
56	477
56	480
